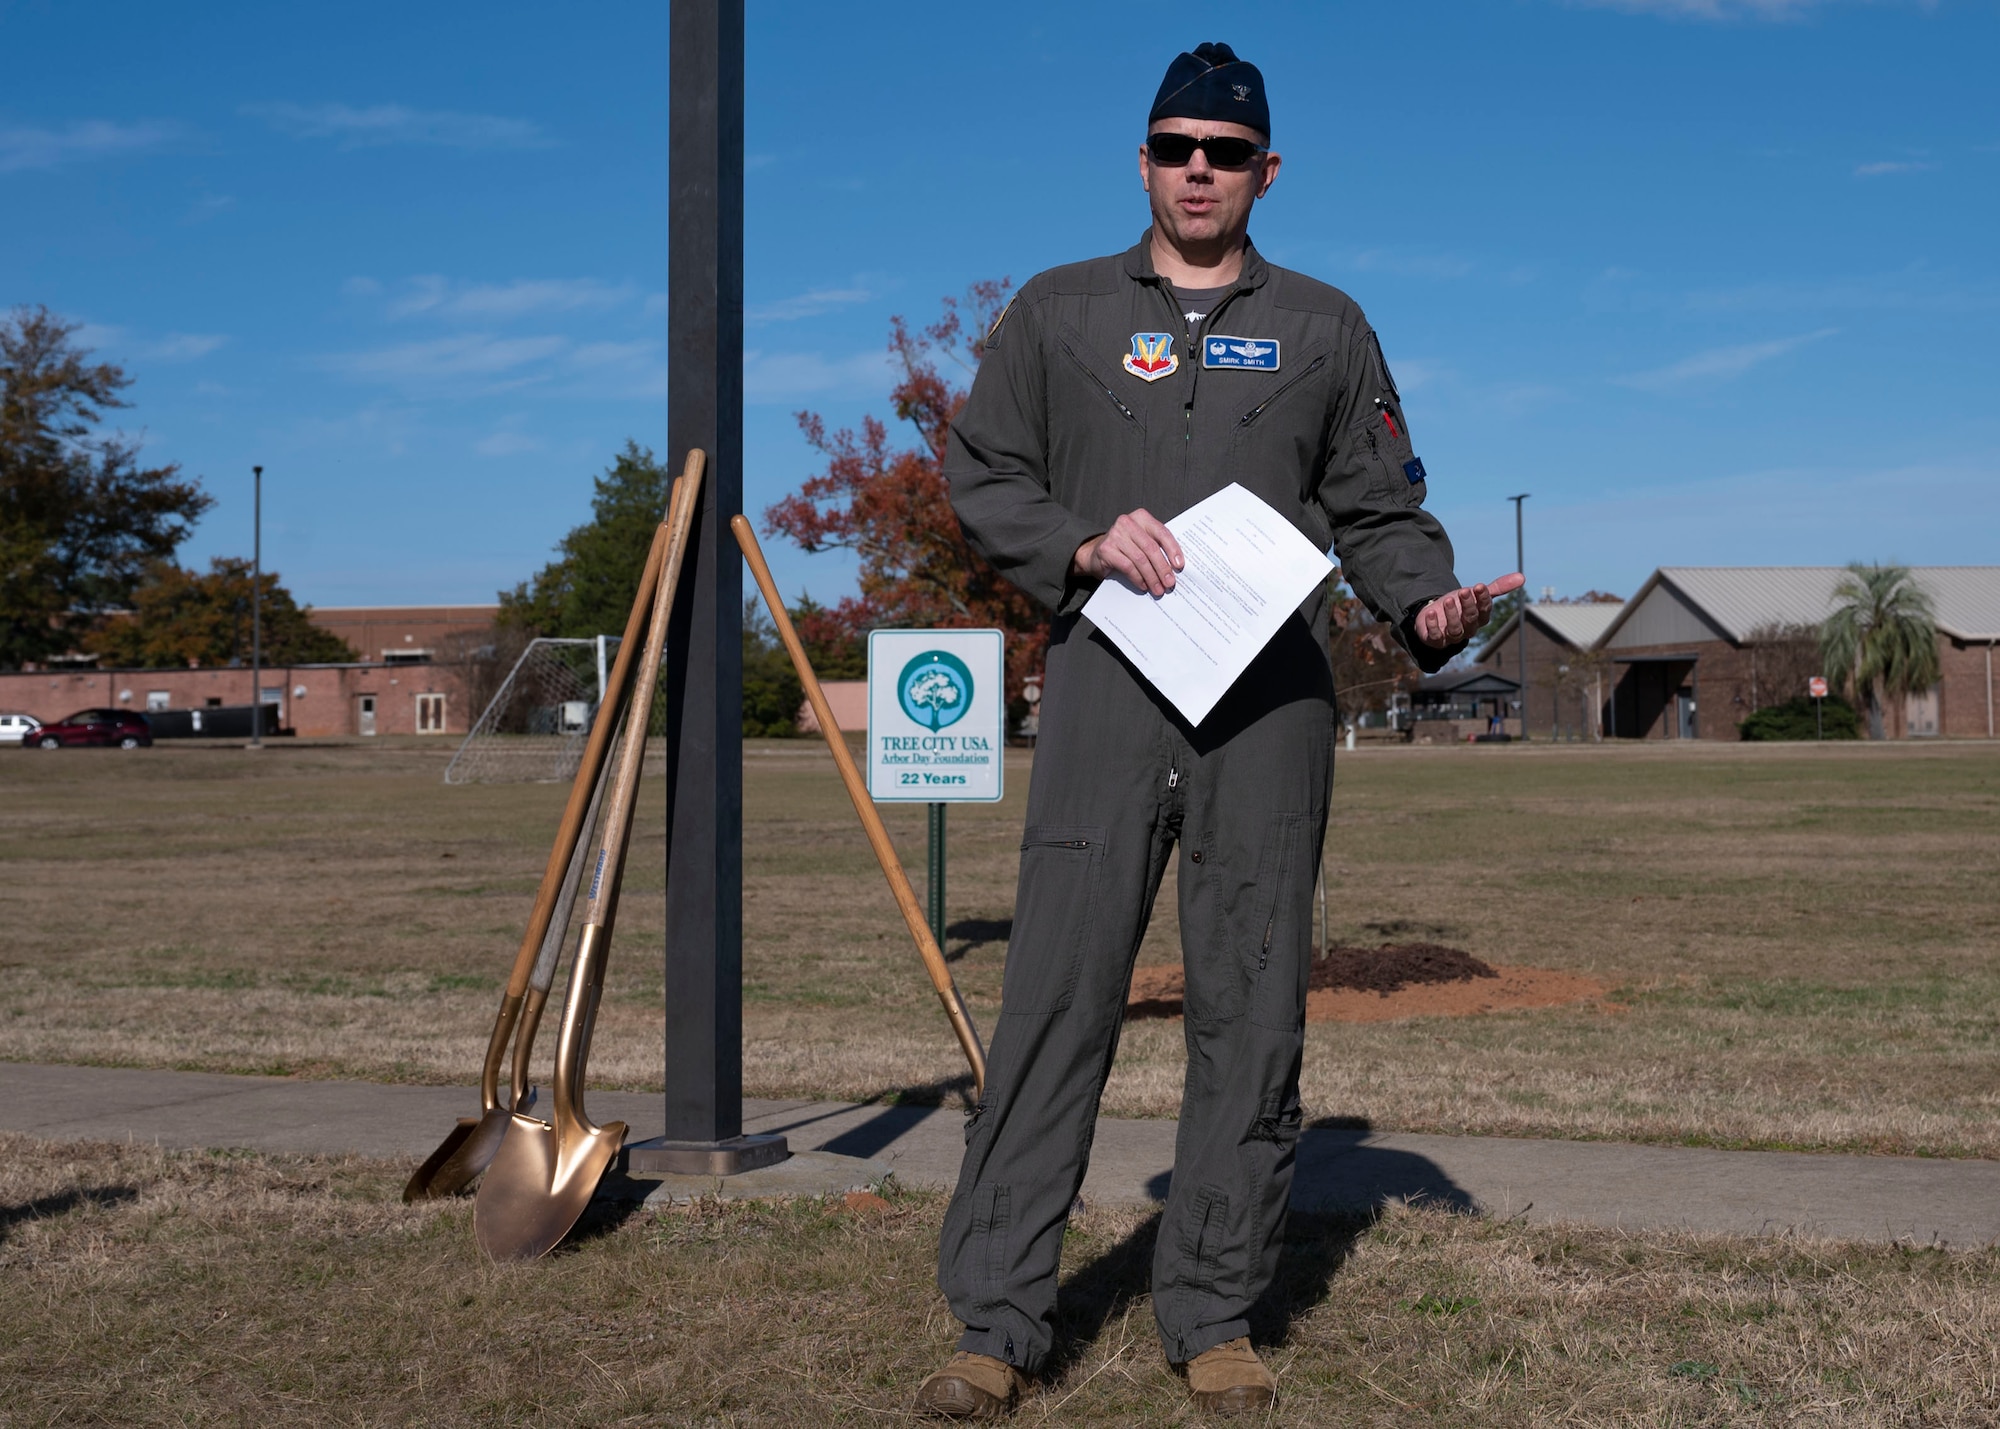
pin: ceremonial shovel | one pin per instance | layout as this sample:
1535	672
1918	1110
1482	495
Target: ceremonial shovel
469	1146
546	1172
871	821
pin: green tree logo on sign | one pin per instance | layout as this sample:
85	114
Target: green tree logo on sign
935	689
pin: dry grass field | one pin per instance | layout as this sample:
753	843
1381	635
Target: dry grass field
151	1289
1802	939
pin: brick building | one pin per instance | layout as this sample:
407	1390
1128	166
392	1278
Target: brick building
1695	651
411	679
1565	680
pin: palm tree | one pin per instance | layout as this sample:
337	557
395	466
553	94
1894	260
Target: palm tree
1881	638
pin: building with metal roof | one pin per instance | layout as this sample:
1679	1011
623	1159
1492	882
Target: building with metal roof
1698	648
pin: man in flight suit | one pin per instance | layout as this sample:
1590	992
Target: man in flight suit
1114	392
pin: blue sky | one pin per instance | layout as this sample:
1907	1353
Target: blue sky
1717	282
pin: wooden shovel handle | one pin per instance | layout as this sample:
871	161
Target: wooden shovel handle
570	830
605	876
864	805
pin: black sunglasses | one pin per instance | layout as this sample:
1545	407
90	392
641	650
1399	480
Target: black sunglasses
1173	150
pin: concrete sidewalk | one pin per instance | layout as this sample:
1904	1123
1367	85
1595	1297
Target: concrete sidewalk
1871	1198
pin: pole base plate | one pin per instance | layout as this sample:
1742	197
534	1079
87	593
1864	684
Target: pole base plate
729	1157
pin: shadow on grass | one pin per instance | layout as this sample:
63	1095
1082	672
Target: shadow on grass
977	933
1317	1244
62	1203
1342	1185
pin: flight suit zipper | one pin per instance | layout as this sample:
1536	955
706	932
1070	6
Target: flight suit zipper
1097	381
1193	350
1257	411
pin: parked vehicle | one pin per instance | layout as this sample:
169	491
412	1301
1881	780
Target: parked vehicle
115	727
16	727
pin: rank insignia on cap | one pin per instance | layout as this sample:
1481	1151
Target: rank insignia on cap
1260	354
1152	356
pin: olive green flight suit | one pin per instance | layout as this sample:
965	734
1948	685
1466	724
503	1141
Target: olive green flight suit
1079	414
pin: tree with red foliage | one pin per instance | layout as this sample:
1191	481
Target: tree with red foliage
1369	664
891	507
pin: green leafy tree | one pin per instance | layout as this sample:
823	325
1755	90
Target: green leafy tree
181	618
1881	639
589	587
81	522
772	691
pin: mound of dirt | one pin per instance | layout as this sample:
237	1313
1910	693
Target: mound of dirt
1389	984
1393	967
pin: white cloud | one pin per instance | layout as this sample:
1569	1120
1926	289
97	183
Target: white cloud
501	301
1406	265
186	346
806	305
1720	362
34	148
382	124
1711	9
169	347
506	444
788	376
208	206
466	355
1891	166
612	354
361	287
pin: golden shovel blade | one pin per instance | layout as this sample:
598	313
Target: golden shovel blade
540	1184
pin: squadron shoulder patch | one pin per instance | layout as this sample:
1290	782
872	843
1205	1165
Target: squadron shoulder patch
1413	470
1259	354
1152	356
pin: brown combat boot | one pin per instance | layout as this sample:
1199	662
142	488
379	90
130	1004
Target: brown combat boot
972	1387
1230	1379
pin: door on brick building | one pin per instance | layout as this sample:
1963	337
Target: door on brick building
430	714
1920	714
1684	707
364	714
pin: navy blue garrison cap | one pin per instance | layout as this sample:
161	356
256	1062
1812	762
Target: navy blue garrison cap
1211	83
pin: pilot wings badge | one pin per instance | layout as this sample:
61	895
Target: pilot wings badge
1260	354
1152	356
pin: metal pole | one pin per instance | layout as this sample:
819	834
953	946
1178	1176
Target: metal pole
704	667
257	611
1989	689
1521	628
600	672
936	866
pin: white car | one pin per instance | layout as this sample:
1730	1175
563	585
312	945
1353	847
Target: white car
16	727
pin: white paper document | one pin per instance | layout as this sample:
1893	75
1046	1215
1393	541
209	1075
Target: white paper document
1248	568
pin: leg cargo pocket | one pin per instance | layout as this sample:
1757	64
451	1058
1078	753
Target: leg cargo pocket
1053	914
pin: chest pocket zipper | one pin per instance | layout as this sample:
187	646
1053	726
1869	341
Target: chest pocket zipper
1096	381
1257	411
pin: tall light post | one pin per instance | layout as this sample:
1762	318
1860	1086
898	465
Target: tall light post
257	612
1521	621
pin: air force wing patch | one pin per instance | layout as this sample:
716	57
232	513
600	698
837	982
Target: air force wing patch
1260	354
1152	356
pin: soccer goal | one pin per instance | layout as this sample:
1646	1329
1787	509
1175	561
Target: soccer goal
534	728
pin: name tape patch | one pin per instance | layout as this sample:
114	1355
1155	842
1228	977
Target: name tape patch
1414	470
1259	354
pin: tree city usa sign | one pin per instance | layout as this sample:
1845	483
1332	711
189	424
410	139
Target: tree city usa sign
936	715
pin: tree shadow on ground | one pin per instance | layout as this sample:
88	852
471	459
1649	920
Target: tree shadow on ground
61	1203
977	933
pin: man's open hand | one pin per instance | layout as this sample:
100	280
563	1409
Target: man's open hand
1138	549
1451	618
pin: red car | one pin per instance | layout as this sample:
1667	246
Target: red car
119	727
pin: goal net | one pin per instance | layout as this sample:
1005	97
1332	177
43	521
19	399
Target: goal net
534	728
